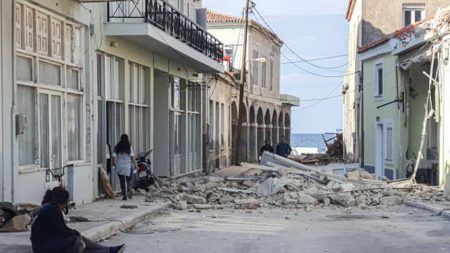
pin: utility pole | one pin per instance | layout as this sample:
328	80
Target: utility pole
241	87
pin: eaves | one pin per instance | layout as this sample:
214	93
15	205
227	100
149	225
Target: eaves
386	48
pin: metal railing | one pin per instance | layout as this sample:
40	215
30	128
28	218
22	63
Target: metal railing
162	15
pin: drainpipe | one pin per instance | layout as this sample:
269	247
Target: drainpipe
361	134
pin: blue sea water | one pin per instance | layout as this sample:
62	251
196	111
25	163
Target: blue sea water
310	141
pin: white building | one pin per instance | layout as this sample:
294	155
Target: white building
80	74
267	113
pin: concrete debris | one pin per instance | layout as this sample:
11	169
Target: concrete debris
281	182
193	199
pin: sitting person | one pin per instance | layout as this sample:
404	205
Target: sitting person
50	234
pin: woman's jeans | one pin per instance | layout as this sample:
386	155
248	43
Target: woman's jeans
125	185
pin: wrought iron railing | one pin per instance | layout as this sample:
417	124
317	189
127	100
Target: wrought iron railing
167	18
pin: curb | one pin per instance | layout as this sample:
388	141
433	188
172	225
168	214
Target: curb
446	214
107	230
433	209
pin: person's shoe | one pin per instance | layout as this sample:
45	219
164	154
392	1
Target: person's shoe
124	198
117	249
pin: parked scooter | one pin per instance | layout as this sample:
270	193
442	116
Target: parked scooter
144	172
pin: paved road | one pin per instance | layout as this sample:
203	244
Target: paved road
399	230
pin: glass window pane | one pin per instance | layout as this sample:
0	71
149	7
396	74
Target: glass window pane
24	69
407	18
73	79
49	73
44	134
56	131
418	15
74	127
27	142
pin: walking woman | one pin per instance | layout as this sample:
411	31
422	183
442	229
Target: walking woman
123	159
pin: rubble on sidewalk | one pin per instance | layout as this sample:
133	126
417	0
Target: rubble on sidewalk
281	182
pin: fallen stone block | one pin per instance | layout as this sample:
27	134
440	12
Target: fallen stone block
343	199
391	201
192	199
304	198
249	203
203	206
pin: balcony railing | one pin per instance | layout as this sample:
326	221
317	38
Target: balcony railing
167	18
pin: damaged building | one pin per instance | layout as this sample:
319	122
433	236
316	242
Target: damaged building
267	113
405	106
75	75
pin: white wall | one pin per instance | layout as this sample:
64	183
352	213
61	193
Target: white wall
8	174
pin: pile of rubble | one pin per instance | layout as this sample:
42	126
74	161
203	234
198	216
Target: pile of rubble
290	187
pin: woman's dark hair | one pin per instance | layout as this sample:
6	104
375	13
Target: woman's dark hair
60	195
57	195
123	146
48	197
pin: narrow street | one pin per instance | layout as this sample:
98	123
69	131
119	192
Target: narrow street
394	229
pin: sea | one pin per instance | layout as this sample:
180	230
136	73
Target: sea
310	142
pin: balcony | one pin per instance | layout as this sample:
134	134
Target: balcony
163	29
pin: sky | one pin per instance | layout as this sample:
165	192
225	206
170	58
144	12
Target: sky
312	29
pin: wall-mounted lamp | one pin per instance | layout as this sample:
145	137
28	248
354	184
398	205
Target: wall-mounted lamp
377	118
114	44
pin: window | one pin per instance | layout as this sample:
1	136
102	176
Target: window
379	80
271	75
255	68
27	141
42	34
175	93
48	87
138	109
24	68
74	127
49	73
114	79
413	13
389	143
222	125
264	74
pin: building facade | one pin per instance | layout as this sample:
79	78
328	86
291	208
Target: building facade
367	24
75	76
267	112
401	75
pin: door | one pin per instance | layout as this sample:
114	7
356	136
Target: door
50	133
379	150
175	137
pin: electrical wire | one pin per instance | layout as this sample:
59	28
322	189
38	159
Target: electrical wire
289	48
321	58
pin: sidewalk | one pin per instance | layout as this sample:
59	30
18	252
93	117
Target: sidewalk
106	218
438	208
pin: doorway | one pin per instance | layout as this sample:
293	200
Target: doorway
379	150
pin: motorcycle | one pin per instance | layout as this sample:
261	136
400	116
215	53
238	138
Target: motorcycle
144	172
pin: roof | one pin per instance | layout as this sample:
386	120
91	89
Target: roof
216	17
350	8
396	34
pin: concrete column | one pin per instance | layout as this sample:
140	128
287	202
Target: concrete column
260	135
254	149
244	142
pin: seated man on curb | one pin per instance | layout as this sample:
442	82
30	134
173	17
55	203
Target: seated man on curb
50	234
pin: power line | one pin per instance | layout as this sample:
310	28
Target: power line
296	65
321	58
313	73
327	97
287	46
